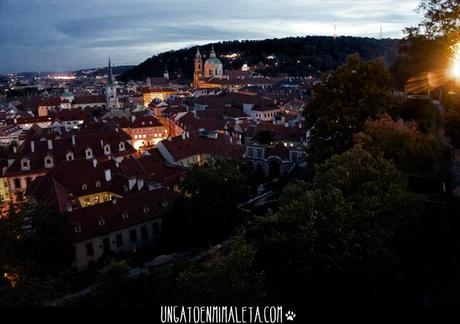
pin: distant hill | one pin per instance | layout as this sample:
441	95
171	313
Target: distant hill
103	71
297	56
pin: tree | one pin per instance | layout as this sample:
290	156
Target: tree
343	101
337	240
229	277
441	18
35	248
412	151
207	210
264	137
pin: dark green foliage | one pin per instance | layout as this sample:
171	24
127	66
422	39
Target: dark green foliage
36	249
412	151
227	278
334	241
298	56
207	211
264	137
452	116
346	98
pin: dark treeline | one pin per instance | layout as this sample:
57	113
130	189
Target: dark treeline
297	56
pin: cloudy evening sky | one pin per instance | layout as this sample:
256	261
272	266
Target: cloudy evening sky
59	35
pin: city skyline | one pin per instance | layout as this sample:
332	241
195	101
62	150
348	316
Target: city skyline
71	35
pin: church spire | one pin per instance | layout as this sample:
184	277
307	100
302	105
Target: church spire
198	54
110	73
213	52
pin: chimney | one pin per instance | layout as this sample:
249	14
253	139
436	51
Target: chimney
184	135
286	125
140	184
114	200
102	143
15	149
108	175
15	121
50	144
73	139
187	134
133	118
131	183
94	162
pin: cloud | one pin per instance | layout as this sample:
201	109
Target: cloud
56	34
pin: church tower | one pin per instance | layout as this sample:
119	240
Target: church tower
111	91
198	73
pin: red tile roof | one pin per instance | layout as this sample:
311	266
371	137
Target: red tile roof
140	208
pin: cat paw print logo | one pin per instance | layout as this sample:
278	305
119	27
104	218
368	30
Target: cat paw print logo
290	316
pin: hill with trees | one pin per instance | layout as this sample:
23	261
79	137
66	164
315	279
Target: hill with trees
297	56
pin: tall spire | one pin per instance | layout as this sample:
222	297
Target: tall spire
198	54
213	52
110	73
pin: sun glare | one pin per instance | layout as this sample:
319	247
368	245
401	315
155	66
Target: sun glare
455	69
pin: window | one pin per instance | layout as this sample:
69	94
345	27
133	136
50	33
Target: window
146	210
89	249
77	228
124	215
250	152
133	236
89	153
122	146
144	233
84	187
98	184
107	149
48	162
106	244
17	183
101	221
69	156
25	164
259	153
155	229
119	240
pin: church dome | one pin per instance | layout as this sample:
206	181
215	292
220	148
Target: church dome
213	60
213	66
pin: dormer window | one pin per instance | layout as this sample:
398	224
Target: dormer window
164	204
124	215
25	164
77	228
146	209
121	146
107	149
84	187
98	184
69	156
49	163
101	221
89	153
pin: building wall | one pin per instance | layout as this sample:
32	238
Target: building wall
83	260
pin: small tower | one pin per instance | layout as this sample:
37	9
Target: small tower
111	90
166	73
197	74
